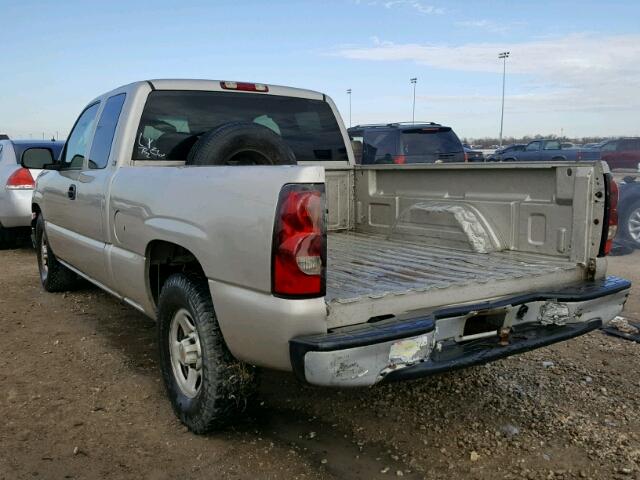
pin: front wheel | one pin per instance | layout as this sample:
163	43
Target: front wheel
207	386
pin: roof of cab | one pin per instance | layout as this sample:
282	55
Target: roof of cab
210	85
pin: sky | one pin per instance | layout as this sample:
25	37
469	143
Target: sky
574	67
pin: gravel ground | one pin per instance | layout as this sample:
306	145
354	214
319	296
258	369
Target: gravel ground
81	398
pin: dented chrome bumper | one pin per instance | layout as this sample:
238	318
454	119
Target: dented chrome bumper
433	342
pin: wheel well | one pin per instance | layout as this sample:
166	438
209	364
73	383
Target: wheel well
165	259
35	208
558	159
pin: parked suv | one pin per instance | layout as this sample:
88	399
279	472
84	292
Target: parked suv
623	153
16	186
401	143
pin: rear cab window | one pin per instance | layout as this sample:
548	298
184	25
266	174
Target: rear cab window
172	122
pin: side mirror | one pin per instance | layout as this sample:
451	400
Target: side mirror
36	158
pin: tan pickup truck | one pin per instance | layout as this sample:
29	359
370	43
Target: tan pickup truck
234	214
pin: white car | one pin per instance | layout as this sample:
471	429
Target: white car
16	187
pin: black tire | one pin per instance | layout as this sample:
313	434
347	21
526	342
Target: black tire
624	224
54	276
510	159
241	143
226	386
7	238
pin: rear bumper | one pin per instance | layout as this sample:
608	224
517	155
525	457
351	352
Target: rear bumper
434	342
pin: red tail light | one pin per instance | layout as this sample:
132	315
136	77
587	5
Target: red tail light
300	242
21	179
399	159
610	223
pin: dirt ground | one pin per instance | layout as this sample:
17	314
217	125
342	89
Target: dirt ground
81	398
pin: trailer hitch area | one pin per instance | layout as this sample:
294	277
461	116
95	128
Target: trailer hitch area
504	336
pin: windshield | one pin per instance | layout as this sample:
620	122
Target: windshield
172	121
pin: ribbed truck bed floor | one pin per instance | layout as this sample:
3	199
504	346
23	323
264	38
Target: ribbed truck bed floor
367	269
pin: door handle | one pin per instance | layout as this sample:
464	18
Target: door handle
72	192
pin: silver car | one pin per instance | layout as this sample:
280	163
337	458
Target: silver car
16	187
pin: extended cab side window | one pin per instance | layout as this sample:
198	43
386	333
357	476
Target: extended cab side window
72	157
533	147
105	130
553	145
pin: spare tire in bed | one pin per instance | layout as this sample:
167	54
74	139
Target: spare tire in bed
241	143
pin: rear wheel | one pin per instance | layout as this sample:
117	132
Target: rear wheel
54	276
207	386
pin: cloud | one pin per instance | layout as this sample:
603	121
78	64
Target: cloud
575	76
420	7
489	25
602	65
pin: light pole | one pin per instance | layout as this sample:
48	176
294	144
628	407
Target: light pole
503	56
349	93
414	80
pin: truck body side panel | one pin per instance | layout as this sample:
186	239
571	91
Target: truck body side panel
224	216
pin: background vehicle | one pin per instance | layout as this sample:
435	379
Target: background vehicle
399	143
595	145
472	155
550	150
16	188
234	214
623	153
629	212
507	151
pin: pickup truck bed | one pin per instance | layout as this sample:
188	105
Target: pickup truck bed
362	266
365	268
